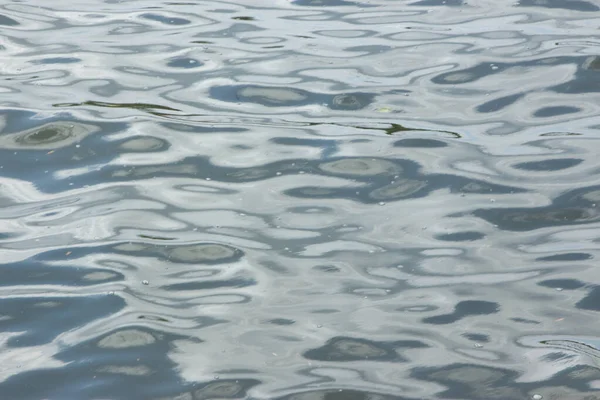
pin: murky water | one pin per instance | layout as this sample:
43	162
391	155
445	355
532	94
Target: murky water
307	200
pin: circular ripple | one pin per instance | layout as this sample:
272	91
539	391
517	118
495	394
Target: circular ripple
126	338
202	253
360	167
49	136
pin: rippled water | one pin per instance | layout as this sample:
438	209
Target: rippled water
300	200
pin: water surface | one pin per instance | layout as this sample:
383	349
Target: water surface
299	200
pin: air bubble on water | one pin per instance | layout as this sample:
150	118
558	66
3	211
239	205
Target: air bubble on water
145	282
278	173
559	289
208	179
537	397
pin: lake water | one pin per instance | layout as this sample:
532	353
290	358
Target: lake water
299	200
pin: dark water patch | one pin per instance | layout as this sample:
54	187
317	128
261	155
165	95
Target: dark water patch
591	301
327	268
525	321
342	349
498	104
553	164
566	284
461	236
420	143
184	62
585	79
577	207
555	111
7	21
464	309
281	321
531	219
39	320
57	60
477	337
566	257
213	284
571	5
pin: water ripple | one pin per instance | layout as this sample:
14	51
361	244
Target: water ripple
301	199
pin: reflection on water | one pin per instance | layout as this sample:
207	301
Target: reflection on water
299	200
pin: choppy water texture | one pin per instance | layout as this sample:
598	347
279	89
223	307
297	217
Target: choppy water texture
299	200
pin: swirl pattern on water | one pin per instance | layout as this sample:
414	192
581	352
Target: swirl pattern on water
304	199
